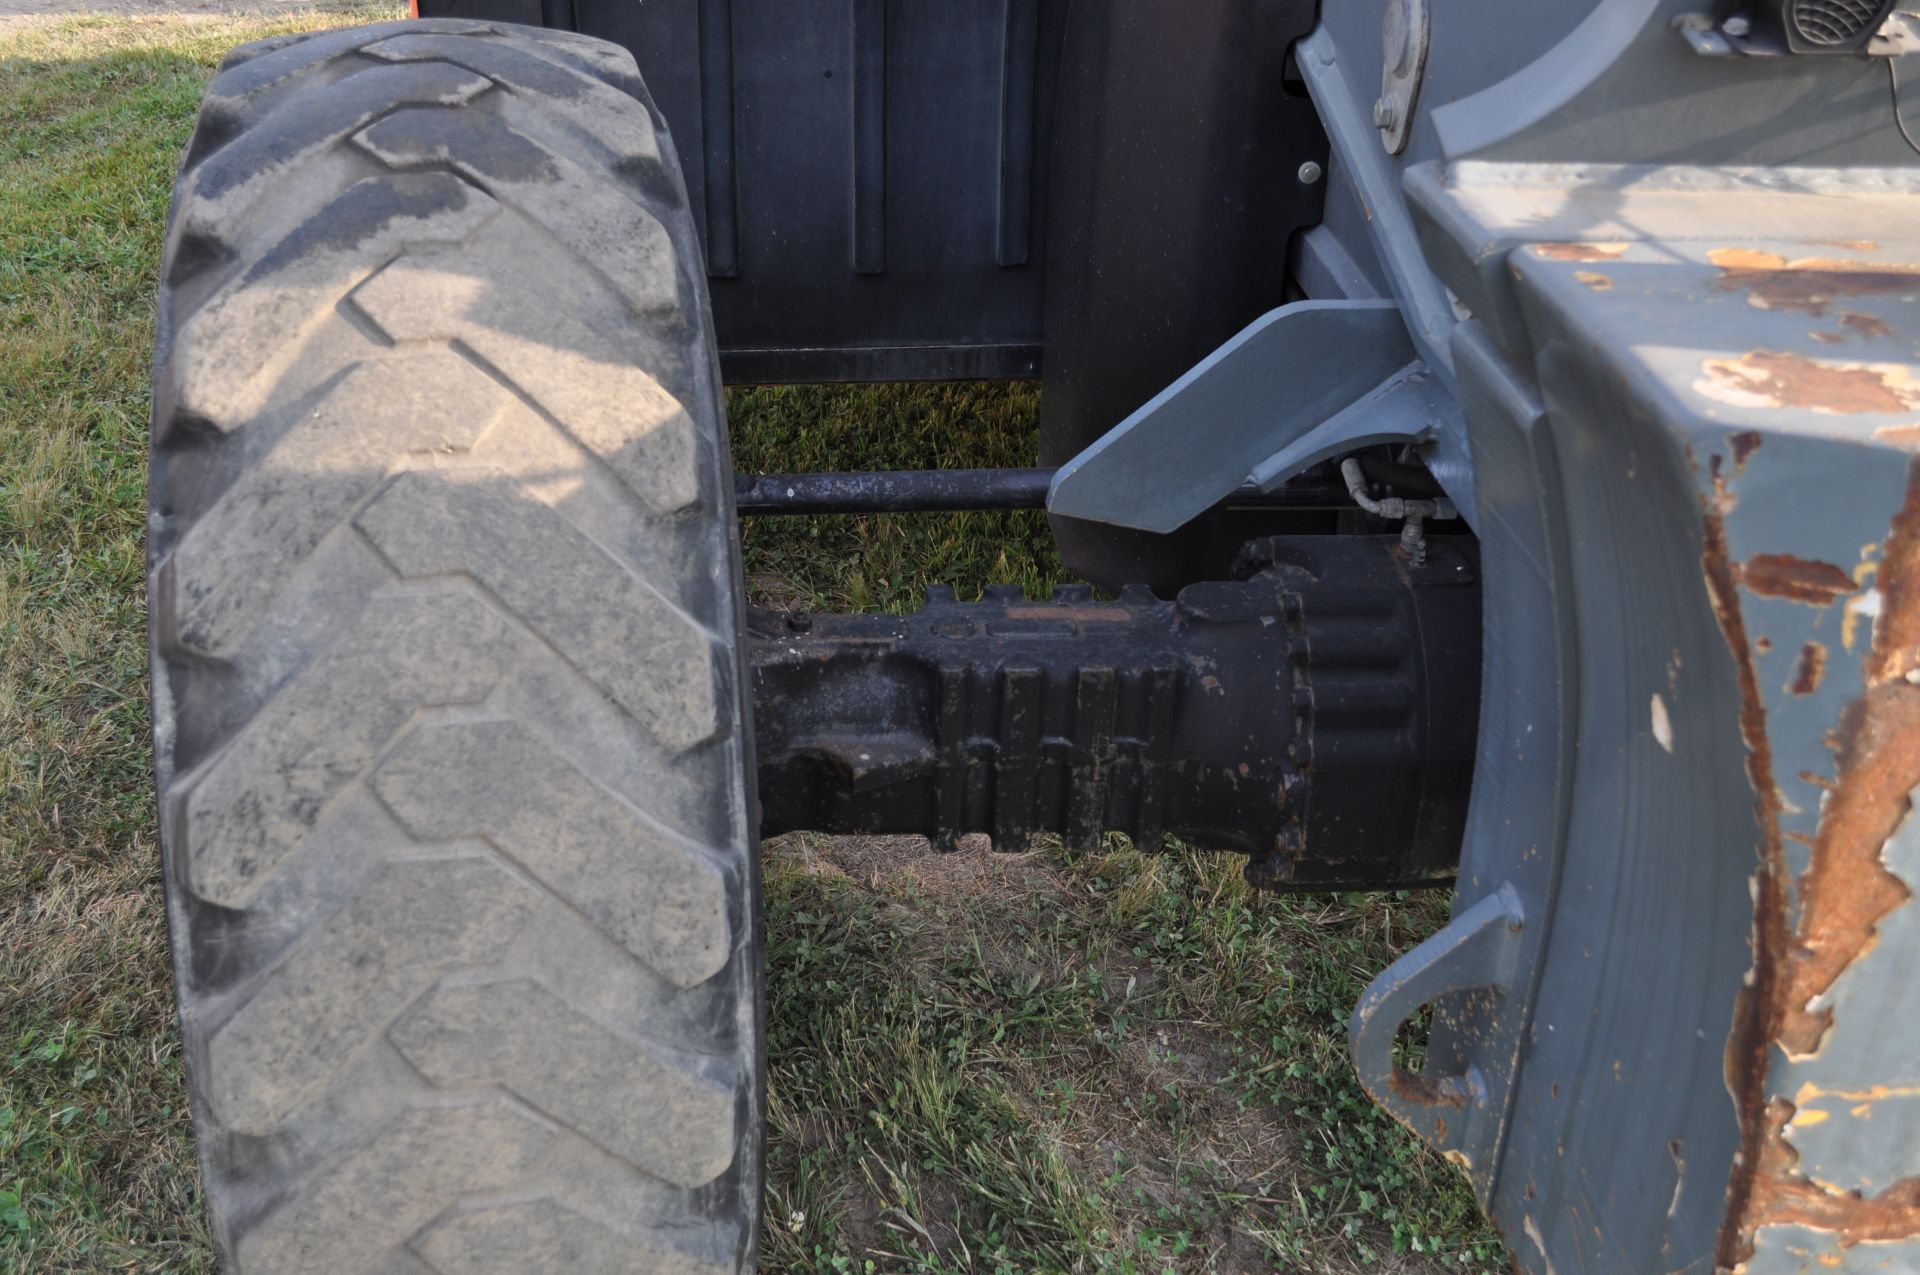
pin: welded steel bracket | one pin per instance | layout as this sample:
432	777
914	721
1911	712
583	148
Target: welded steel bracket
1477	953
1287	374
1406	407
1403	62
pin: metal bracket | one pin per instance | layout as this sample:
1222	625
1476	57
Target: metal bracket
1403	62
1476	952
1279	378
1399	409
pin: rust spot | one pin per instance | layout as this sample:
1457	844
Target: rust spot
1767	378
1900	435
1747	1040
1595	280
1743	445
1579	251
1847	889
1425	1090
1809	669
1844	895
1867	325
1781	575
1783	1196
1896	632
1746	259
1855	245
1809	284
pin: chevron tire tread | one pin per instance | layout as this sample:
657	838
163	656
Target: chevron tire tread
449	732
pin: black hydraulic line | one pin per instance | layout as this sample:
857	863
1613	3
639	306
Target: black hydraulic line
953	490
1405	479
891	491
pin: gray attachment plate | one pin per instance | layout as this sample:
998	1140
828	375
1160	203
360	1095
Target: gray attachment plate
1289	372
1406	407
1357	143
1732	419
1475	954
1693	399
1399	408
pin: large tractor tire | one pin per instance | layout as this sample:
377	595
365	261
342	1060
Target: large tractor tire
448	719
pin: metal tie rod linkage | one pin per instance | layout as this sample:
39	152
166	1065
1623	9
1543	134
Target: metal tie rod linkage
955	490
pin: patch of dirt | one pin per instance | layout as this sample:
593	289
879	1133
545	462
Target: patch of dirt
1217	1149
889	865
1115	1122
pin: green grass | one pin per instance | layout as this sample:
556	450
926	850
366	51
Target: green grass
1119	1062
886	561
987	1062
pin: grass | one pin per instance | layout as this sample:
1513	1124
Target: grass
988	1062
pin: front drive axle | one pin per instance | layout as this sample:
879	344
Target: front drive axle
1317	714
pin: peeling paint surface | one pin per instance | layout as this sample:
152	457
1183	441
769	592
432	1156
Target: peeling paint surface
1809	669
1865	325
1532	1229
1776	379
1579	251
1782	575
1753	400
1828	1084
1801	1250
1794	451
1808	284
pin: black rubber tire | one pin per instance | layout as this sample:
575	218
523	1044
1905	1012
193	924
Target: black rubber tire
448	720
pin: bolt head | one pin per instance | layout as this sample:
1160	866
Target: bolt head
1737	26
1382	113
1309	173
